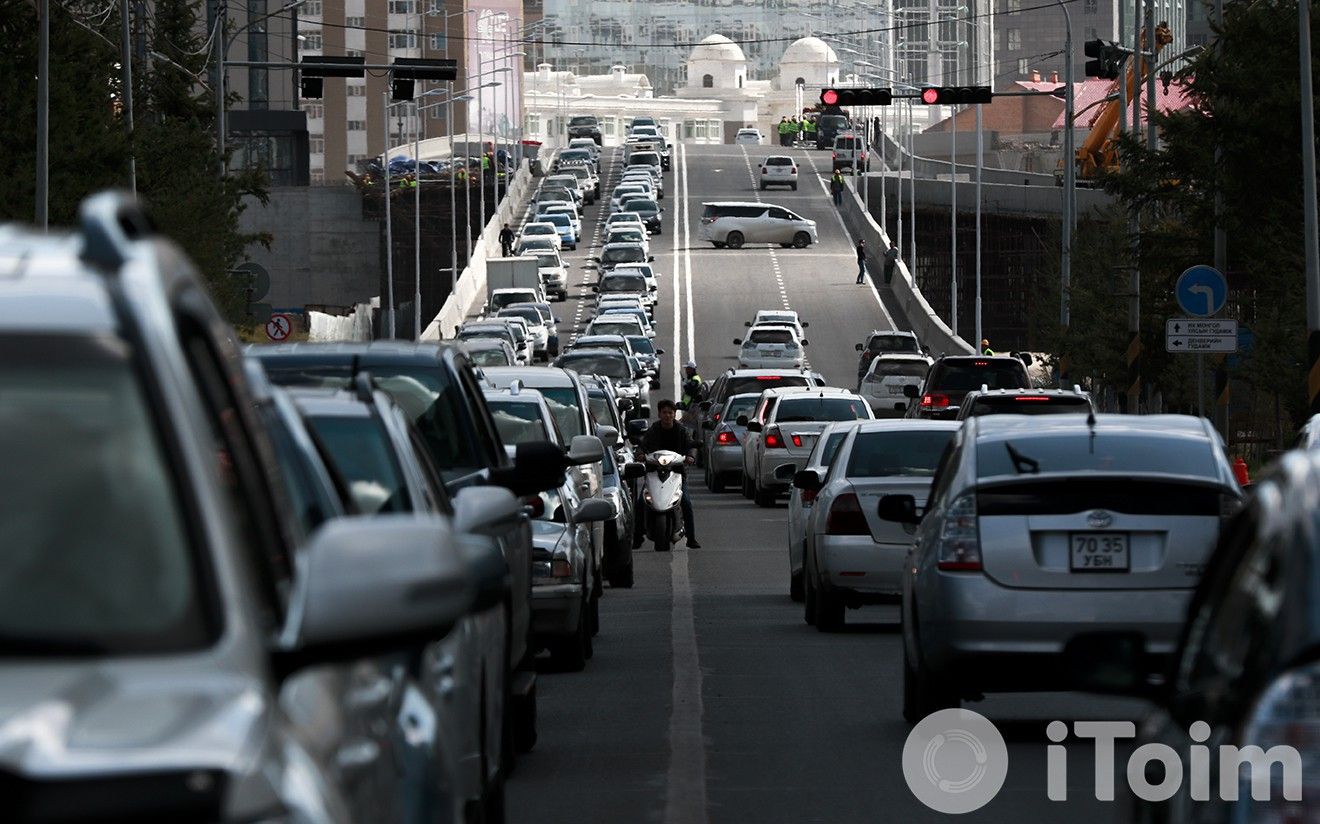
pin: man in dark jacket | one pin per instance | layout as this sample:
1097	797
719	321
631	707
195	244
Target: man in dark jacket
891	261
506	241
666	434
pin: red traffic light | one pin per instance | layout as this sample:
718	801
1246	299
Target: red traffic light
829	97
930	96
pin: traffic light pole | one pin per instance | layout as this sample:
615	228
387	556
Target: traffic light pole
1312	238
1069	180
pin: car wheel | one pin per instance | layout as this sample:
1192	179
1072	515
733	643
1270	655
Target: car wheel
571	653
593	611
747	489
795	590
921	696
809	596
524	721
734	240
829	611
763	497
801	240
786	245
794	187
716	482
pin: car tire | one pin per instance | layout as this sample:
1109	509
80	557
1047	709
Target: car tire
921	696
734	240
747	490
524	721
623	578
808	596
571	654
794	187
716	482
786	245
593	613
763	498
717	244
795	587
801	240
829	611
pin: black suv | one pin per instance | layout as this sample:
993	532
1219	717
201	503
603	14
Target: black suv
585	125
953	376
1025	402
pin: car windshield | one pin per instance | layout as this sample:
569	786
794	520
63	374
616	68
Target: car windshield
896	369
503	299
575	154
528	313
775	336
1030	405
641	344
489	357
953	377
583	120
892	343
518	421
97	558
624	283
889	454
360	449
760	383
820	409
539	229
548	262
1108	451
611	366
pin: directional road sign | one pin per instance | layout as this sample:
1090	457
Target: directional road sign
1200	336
1201	291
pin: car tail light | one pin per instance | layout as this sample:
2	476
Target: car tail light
1286	715
795	171
535	505
765	171
981	363
707	220
767	377
561	568
960	540
846	517
934	400
773	439
726	438
1031	398
715	418
797	440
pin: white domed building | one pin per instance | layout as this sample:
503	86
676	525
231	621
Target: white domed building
810	62
717	69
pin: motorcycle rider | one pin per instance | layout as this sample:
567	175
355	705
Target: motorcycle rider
666	434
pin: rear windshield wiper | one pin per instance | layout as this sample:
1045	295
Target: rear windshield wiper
1021	462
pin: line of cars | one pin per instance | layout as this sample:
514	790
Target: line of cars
302	583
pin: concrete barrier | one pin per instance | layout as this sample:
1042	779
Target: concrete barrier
471	284
933	332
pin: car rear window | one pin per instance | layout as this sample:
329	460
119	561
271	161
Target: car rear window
624	283
888	454
968	377
615	367
361	452
892	343
1106	451
820	409
739	406
489	357
779	161
770	336
642	344
847	143
760	383
884	369
832	121
641	206
1029	405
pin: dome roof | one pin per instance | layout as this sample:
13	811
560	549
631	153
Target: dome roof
809	50
718	47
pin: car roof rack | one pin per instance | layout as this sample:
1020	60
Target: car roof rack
110	223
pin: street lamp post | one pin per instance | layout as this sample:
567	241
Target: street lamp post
1069	177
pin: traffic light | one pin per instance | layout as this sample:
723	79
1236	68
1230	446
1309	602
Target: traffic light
1109	56
313	70
955	95
856	97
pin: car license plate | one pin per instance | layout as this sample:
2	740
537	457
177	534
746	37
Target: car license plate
1099	551
896	389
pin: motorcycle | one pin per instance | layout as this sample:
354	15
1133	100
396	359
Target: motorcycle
662	492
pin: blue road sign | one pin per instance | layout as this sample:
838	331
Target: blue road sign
1201	291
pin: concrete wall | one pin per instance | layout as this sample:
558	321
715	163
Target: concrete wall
324	251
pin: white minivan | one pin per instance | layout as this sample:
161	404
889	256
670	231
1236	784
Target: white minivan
734	223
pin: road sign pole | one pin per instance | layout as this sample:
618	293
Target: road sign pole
1200	385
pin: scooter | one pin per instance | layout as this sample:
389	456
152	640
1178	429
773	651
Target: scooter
662	492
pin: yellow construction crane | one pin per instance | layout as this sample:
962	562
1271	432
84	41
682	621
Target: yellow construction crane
1099	152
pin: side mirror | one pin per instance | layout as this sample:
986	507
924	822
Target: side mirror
808	480
595	287
741	420
753	426
585	449
633	470
593	510
705	405
607	434
805	324
785	472
537	466
1027	358
485	510
489	572
373	584
747	323
636	429
901	509
911	391
805	342
650	258
625	404
660	352
858	347
1111	663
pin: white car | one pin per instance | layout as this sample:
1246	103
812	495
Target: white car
800	501
645	270
632	312
539	229
885	380
562	209
529	246
624	325
630	234
770	347
749	137
779	170
779	317
617	196
639	174
784	430
733	223
624	219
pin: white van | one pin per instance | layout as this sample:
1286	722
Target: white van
734	223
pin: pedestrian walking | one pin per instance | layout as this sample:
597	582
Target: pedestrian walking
836	187
861	261
891	261
506	241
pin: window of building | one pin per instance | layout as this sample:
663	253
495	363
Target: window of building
353	52
311	40
318	177
707	81
355	22
1015	39
406	39
689	129
403	7
740	80
315	111
357	125
437	6
1023	67
312	8
438	42
532	125
700	133
357	89
316	145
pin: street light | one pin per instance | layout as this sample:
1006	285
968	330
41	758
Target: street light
222	45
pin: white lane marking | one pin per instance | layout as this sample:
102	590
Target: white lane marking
839	217
685	796
774	254
674	226
687	255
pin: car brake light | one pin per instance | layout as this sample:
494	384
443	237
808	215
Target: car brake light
773	440
726	439
834	156
1025	398
765	171
934	400
981	363
715	418
561	568
767	377
960	541
846	517
797	440
535	505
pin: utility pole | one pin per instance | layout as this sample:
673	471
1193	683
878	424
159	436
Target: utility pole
980	150
1069	182
389	224
221	12
126	63
1152	136
43	118
1312	239
1221	236
417	222
953	215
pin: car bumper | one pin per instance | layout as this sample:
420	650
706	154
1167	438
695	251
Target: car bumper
779	181
856	564
556	609
769	363
970	625
724	459
887	406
